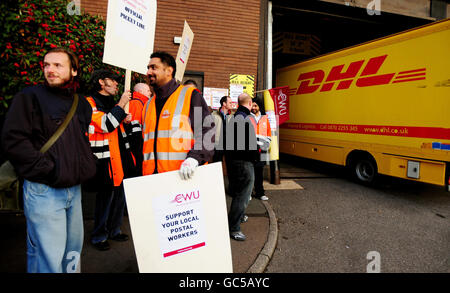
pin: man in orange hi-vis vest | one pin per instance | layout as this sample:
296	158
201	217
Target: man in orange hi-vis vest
178	129
141	93
263	136
109	142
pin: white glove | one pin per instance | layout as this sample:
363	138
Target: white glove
187	168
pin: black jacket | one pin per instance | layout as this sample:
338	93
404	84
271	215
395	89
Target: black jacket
108	105
35	114
241	137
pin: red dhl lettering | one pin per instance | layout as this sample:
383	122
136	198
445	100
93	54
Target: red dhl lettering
312	81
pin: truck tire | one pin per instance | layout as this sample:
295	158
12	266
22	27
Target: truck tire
365	170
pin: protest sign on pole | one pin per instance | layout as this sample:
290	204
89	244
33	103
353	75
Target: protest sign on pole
183	51
280	97
129	36
180	226
269	107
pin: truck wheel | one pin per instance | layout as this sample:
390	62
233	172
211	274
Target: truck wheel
365	170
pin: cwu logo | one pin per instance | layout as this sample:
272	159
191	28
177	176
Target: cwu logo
186	197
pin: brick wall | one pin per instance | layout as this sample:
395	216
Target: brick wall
98	7
226	34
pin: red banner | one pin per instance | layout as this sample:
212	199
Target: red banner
280	97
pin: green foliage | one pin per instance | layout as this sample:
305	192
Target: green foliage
30	28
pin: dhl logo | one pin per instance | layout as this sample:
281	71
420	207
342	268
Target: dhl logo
312	81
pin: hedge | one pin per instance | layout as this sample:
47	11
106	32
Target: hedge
30	28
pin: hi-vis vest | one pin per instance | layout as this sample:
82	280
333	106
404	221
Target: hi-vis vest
263	128
263	134
104	144
174	136
136	105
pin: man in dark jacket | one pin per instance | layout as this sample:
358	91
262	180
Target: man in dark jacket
109	142
242	152
51	189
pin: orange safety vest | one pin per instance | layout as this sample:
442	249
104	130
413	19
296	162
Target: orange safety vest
174	136
108	142
135	107
263	128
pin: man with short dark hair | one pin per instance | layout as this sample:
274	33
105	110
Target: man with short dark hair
51	189
220	119
190	82
173	123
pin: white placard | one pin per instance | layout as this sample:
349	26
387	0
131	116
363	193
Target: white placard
213	96
235	90
179	226
180	222
183	51
130	34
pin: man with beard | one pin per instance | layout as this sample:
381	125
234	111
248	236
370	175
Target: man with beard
51	188
263	141
109	143
176	137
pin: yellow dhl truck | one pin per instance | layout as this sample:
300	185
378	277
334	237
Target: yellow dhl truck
379	107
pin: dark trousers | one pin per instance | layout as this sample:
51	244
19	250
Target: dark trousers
241	178
109	209
259	174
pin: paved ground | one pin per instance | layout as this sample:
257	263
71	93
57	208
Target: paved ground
333	223
121	257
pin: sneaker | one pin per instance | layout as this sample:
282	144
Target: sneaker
102	246
244	219
239	236
262	197
120	237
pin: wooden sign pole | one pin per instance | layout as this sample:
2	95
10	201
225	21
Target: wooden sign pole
127	86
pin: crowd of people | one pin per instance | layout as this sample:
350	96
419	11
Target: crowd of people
107	141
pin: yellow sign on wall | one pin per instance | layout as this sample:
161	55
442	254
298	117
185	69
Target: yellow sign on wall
247	81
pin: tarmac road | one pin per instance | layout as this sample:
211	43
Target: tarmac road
333	223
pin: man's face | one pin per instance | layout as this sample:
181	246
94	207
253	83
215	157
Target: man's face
57	69
228	105
158	73
109	86
255	108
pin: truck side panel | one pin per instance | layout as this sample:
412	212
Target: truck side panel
389	97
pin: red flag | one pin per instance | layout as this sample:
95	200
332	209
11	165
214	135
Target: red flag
280	97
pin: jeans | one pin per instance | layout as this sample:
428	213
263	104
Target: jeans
109	209
54	228
259	179
241	178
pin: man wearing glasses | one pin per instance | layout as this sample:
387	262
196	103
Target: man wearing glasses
109	143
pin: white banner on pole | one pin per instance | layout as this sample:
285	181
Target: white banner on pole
130	34
180	226
183	51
